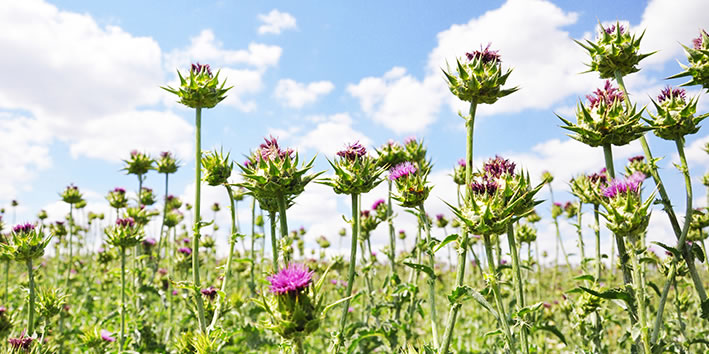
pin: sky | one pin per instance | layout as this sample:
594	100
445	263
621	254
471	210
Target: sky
81	89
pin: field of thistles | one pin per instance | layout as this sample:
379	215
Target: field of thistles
151	275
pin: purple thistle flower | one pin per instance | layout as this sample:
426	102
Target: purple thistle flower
618	187
599	177
483	187
409	140
210	292
364	213
149	242
293	278
165	154
668	93
247	163
462	163
106	335
21	343
23	228
638	158
485	55
198	68
119	190
185	251
333	281
127	222
162	271
608	95
174	292
698	41
498	166
377	204
270	150
612	28
557	204
352	151
439	217
402	170
186	241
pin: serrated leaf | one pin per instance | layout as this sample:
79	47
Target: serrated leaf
447	240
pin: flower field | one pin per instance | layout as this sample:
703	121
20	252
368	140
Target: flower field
149	277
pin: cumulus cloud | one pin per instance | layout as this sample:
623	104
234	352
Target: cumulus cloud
275	22
24	143
295	94
331	134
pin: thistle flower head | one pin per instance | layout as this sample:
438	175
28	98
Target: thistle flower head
626	213
23	228
167	163
411	184
22	343
200	89
352	151
26	242
498	166
390	154
479	77
107	336
217	168
612	29
606	96
459	173
615	50
125	233
698	62
292	279
403	169
441	221
71	195
210	293
186	251
378	203
675	116
620	187
269	150
138	164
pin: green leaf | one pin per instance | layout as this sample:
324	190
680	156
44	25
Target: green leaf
673	250
423	268
697	251
585	277
611	294
446	241
551	328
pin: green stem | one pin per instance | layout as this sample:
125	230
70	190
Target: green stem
123	298
432	280
519	294
162	227
681	243
640	295
198	221
274	241
283	221
30	309
227	271
252	285
351	276
597	231
7	281
71	249
463	241
579	229
392	236
500	306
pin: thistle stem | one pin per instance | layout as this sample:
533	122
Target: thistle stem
198	221
500	306
227	271
123	298
597	231
640	295
252	285
392	236
463	242
681	243
283	221
30	309
519	294
71	249
274	242
351	275
579	229
432	280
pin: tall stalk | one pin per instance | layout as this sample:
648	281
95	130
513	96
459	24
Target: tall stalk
283	221
198	220
351	275
519	293
639	285
123	298
432	280
499	305
252	285
392	236
597	231
71	249
30	309
579	230
227	271
274	241
463	241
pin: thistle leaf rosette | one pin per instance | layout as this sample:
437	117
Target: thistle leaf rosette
26	242
356	172
698	60
411	182
124	234
217	168
296	303
606	120
479	77
675	116
587	188
390	154
272	171
499	196
625	211
200	89
615	50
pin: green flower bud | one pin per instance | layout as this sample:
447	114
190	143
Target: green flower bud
459	173
117	198
71	195
615	50
390	154
147	197
167	163
698	58
200	89
323	242
479	78
525	233
217	168
25	242
124	234
675	116
138	164
355	171
50	301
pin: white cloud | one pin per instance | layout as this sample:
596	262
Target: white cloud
275	21
24	144
295	94
399	101
112	137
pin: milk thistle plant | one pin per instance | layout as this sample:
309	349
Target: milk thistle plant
477	80
698	60
199	90
356	173
71	196
388	156
26	244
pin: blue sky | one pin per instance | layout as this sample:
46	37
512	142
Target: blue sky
81	88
